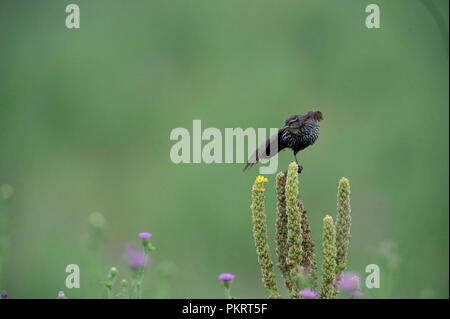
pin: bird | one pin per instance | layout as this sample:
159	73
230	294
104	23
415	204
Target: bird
297	133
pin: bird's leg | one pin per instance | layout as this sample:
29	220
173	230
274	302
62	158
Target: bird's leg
300	168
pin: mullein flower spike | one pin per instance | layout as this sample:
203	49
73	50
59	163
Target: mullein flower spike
294	234
294	230
329	259
298	272
281	231
295	248
260	235
343	223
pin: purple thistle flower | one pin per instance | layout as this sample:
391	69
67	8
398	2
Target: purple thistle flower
136	258
308	293
226	277
145	235
4	295
348	281
356	294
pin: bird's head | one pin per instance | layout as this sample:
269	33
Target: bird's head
294	123
314	116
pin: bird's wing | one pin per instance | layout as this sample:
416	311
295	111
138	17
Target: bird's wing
268	149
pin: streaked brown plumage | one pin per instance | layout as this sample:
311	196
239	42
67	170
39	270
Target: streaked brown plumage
298	132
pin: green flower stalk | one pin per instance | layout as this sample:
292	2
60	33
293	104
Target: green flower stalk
343	223
139	276
124	289
329	259
111	279
227	279
281	230
294	231
260	236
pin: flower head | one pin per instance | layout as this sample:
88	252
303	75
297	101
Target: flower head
61	295
348	281
226	277
145	235
136	258
4	295
308	293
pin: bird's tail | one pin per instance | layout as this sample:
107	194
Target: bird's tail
267	150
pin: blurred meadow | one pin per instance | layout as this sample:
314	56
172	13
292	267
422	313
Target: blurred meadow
85	118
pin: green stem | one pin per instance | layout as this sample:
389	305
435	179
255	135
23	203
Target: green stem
138	289
227	293
140	279
109	293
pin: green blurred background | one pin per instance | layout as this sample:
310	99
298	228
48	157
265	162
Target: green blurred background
86	114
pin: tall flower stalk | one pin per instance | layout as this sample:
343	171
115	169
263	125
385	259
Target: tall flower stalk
294	244
343	223
329	259
294	231
147	247
111	279
281	230
260	236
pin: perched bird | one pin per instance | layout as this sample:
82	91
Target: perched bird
298	132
